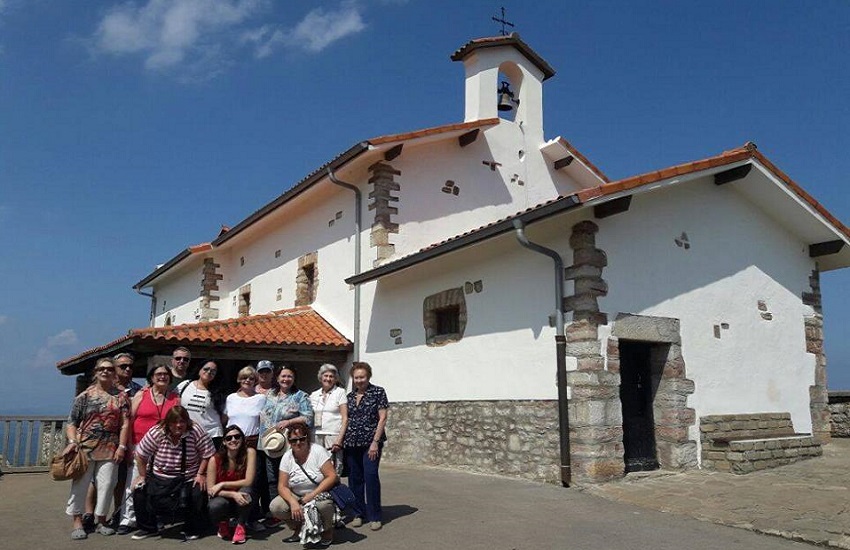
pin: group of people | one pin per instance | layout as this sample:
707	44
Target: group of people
266	453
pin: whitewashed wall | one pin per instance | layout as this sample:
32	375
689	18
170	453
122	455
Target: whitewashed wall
737	256
179	296
427	215
508	349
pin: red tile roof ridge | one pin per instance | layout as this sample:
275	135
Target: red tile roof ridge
198	248
748	150
299	310
434	130
583	159
513	39
313	330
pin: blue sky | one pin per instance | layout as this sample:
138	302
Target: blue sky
129	130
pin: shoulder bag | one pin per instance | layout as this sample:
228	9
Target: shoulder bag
341	494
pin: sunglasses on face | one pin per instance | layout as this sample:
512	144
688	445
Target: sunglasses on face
104	369
182	359
209	370
298	439
247	378
234	437
125	367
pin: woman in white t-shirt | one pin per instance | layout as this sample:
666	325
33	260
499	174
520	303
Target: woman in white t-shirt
204	402
330	410
243	407
306	476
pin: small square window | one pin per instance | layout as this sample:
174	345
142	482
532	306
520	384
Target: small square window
444	317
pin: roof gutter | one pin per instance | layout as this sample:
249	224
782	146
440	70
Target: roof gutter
311	179
296	190
505	226
358	213
560	349
152	296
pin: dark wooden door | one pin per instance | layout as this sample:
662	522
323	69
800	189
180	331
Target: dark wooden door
636	397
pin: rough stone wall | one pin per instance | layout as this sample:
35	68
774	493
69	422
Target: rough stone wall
744	443
596	417
839	408
306	289
245	300
818	395
513	438
209	286
383	184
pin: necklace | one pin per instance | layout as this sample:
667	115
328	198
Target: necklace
158	406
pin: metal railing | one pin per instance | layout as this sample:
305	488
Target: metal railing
28	443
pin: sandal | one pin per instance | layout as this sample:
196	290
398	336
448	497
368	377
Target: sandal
293	538
79	534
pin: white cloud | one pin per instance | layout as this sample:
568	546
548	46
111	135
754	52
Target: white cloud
320	28
65	338
198	39
172	33
47	355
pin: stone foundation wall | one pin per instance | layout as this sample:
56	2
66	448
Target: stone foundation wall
744	443
512	438
839	408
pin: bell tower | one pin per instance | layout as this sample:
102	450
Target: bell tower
491	62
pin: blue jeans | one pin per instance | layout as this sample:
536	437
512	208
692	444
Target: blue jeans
272	474
363	480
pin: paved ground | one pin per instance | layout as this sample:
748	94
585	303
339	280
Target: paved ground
807	501
424	508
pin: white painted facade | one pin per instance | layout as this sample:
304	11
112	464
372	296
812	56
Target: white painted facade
739	254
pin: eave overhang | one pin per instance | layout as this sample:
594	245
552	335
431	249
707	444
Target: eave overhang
375	146
291	334
765	187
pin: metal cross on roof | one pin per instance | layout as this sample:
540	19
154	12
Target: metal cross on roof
503	21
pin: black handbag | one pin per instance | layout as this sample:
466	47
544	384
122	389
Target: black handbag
162	500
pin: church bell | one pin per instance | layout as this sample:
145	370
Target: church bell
506	97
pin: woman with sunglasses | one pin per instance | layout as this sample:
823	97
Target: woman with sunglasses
99	425
230	474
285	407
306	475
243	409
148	408
201	397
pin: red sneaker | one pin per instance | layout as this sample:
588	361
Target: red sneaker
224	531
239	534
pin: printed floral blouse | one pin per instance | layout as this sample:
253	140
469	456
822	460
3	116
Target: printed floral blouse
98	417
283	406
363	418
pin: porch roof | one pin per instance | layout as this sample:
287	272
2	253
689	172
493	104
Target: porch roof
298	334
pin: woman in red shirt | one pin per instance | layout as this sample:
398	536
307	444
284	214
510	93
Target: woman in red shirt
148	408
230	474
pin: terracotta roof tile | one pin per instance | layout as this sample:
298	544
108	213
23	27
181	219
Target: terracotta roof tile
748	150
434	131
512	39
300	326
583	159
